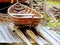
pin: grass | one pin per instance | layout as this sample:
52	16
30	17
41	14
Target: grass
51	3
46	17
55	24
50	24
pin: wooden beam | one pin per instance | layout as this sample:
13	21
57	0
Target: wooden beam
34	37
31	3
21	35
44	5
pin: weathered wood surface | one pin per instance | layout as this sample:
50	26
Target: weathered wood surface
52	37
7	36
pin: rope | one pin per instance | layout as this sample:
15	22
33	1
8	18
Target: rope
4	8
17	1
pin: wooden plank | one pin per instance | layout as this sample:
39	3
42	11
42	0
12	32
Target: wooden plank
46	36
8	33
51	34
13	37
54	32
44	41
51	15
58	36
2	39
21	35
34	37
4	33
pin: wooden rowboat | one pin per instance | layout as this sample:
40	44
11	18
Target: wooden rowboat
24	15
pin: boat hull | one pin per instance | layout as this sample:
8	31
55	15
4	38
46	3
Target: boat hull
23	15
27	21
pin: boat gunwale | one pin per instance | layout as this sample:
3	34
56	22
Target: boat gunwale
11	14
